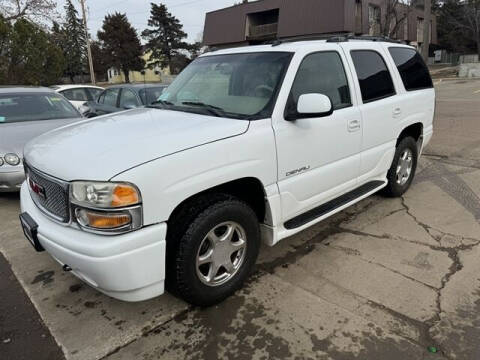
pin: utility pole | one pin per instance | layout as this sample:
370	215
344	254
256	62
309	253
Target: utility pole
427	20
89	50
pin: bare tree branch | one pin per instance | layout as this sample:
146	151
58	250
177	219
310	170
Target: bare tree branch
37	10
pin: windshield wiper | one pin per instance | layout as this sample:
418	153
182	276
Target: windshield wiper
164	103
214	110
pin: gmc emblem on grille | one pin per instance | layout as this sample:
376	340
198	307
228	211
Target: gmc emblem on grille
37	189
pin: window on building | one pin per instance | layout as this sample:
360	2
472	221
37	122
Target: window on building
373	75
262	25
358	16
321	73
412	68
374	19
420	24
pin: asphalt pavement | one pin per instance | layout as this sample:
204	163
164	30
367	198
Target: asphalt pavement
384	279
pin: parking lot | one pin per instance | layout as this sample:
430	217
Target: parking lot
385	279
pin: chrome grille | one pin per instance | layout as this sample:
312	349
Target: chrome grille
53	195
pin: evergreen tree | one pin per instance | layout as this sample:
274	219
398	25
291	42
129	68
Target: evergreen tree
121	45
99	64
5	33
165	40
32	57
74	43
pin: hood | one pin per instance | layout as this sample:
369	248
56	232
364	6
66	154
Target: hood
14	136
102	147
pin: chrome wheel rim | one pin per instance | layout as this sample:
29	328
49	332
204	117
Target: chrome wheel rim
221	253
404	167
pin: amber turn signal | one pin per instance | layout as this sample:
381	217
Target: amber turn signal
124	195
103	221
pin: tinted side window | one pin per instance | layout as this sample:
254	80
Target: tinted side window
111	97
321	73
375	79
412	68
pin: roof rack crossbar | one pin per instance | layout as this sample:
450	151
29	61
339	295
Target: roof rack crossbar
333	38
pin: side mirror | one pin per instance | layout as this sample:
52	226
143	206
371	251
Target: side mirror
314	105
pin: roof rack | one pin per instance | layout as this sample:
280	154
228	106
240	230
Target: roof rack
334	38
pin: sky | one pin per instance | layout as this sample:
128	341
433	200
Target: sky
191	13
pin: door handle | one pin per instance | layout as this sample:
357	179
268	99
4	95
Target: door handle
397	112
353	125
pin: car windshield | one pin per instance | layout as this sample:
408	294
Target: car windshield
34	107
151	94
243	86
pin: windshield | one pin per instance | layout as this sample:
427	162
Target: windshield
234	85
34	107
150	95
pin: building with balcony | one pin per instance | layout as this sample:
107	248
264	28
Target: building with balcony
263	20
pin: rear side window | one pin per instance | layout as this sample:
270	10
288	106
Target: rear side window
412	68
94	93
375	79
321	73
111	96
78	94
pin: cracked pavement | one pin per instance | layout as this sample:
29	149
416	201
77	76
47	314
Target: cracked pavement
384	279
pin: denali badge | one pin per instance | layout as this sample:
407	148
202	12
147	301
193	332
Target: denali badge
297	171
37	189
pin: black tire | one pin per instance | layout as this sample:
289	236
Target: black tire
394	189
187	236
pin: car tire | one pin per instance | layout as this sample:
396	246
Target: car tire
402	171
197	271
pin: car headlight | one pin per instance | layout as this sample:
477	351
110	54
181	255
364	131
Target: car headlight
12	159
106	207
105	195
1	161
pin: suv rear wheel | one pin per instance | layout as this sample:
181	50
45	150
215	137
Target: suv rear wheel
402	171
215	253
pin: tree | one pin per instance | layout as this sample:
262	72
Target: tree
450	35
32	57
165	40
121	45
73	42
5	33
30	9
462	17
99	64
396	13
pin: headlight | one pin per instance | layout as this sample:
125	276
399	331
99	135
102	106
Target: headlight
12	159
105	207
104	195
1	161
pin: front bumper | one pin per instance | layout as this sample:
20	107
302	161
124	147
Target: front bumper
11	180
129	267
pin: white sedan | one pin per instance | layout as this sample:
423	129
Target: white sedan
79	94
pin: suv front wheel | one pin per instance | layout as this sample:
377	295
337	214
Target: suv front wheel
402	171
216	252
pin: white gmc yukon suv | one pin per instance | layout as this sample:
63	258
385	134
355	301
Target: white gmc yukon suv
247	144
